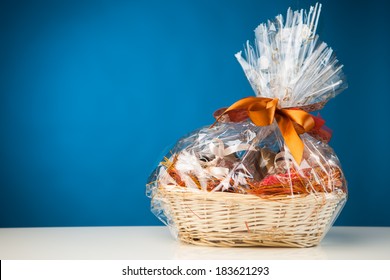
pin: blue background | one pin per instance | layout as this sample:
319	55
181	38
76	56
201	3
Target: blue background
93	92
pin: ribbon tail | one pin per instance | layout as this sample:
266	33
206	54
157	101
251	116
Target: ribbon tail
291	137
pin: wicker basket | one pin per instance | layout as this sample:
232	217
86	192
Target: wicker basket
242	220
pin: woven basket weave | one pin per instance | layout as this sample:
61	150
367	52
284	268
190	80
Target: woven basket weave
242	220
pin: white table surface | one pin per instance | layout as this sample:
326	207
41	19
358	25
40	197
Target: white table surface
143	243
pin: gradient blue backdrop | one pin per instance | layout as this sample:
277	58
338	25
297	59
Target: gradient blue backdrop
93	92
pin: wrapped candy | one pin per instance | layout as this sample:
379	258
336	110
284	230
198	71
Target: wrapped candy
263	173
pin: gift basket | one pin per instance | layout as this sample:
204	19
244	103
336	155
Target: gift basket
263	173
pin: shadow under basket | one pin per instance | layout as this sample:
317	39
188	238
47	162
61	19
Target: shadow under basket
243	220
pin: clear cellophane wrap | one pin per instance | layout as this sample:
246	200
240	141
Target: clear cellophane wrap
289	64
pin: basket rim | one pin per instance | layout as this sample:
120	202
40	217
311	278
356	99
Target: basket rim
242	196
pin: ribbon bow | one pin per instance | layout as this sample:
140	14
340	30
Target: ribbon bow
262	111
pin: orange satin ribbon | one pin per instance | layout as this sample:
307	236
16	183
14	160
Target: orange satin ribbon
292	122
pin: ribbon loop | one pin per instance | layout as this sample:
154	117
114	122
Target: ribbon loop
263	111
